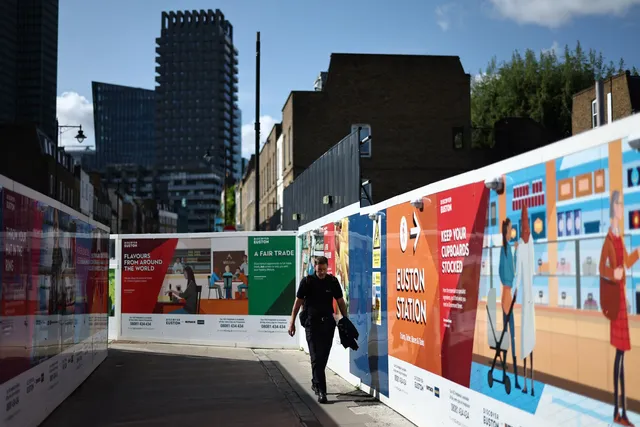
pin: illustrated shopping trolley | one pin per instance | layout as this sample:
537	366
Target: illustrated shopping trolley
500	346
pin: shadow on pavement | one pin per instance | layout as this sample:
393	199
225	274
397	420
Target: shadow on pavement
357	396
139	389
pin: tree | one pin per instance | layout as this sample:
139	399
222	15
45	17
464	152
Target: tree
228	208
539	87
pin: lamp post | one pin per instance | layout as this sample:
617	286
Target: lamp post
80	137
209	158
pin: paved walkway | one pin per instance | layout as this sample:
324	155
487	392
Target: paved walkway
145	385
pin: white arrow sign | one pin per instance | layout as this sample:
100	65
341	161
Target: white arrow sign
414	233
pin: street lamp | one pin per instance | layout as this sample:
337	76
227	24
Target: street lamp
80	137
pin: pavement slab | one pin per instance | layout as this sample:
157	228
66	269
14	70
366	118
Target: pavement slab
162	385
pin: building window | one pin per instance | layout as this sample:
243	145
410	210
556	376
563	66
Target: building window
286	150
290	153
458	138
365	131
366	190
594	114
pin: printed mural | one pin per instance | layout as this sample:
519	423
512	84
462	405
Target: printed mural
53	305
227	289
575	304
514	306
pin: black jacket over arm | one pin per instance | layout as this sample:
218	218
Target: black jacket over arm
348	334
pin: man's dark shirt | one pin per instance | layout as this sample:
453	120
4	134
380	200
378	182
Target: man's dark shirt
318	294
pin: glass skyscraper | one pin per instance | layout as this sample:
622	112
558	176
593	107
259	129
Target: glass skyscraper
124	121
29	63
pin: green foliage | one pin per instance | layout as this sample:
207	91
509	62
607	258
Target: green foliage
230	203
539	87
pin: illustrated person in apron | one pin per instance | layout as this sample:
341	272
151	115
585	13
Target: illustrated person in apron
507	272
614	259
524	280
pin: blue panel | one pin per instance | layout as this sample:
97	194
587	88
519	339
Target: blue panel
370	363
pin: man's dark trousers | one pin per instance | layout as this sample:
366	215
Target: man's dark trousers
320	334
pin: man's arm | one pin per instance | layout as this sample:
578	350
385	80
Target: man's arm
343	307
300	296
339	297
296	308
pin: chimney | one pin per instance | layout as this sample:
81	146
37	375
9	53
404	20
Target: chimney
600	103
320	81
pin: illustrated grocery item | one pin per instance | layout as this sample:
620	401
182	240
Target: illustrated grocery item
577	222
561	227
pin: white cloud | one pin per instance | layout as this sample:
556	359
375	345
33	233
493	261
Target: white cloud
249	134
554	49
555	13
443	16
74	109
478	78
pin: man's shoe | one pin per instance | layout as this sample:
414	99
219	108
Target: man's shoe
322	398
315	389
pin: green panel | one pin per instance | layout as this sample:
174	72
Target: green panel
112	291
272	271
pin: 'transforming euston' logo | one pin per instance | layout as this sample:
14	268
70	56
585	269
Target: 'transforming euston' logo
434	390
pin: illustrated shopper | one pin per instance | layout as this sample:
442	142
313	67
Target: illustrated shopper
614	259
244	267
178	267
507	272
190	294
227	277
524	279
316	294
215	286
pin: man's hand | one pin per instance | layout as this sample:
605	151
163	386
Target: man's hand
292	328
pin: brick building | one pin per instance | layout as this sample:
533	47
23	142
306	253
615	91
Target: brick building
269	175
621	99
247	192
33	164
417	109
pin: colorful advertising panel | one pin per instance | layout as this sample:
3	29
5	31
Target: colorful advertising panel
51	338
368	303
433	254
559	282
228	289
312	246
272	272
478	279
112	292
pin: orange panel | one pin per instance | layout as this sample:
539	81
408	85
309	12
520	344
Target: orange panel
426	259
584	185
218	306
565	189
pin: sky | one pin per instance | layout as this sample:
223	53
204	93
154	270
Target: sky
114	41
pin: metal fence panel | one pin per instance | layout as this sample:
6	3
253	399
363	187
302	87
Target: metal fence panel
336	173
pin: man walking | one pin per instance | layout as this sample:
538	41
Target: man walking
316	293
